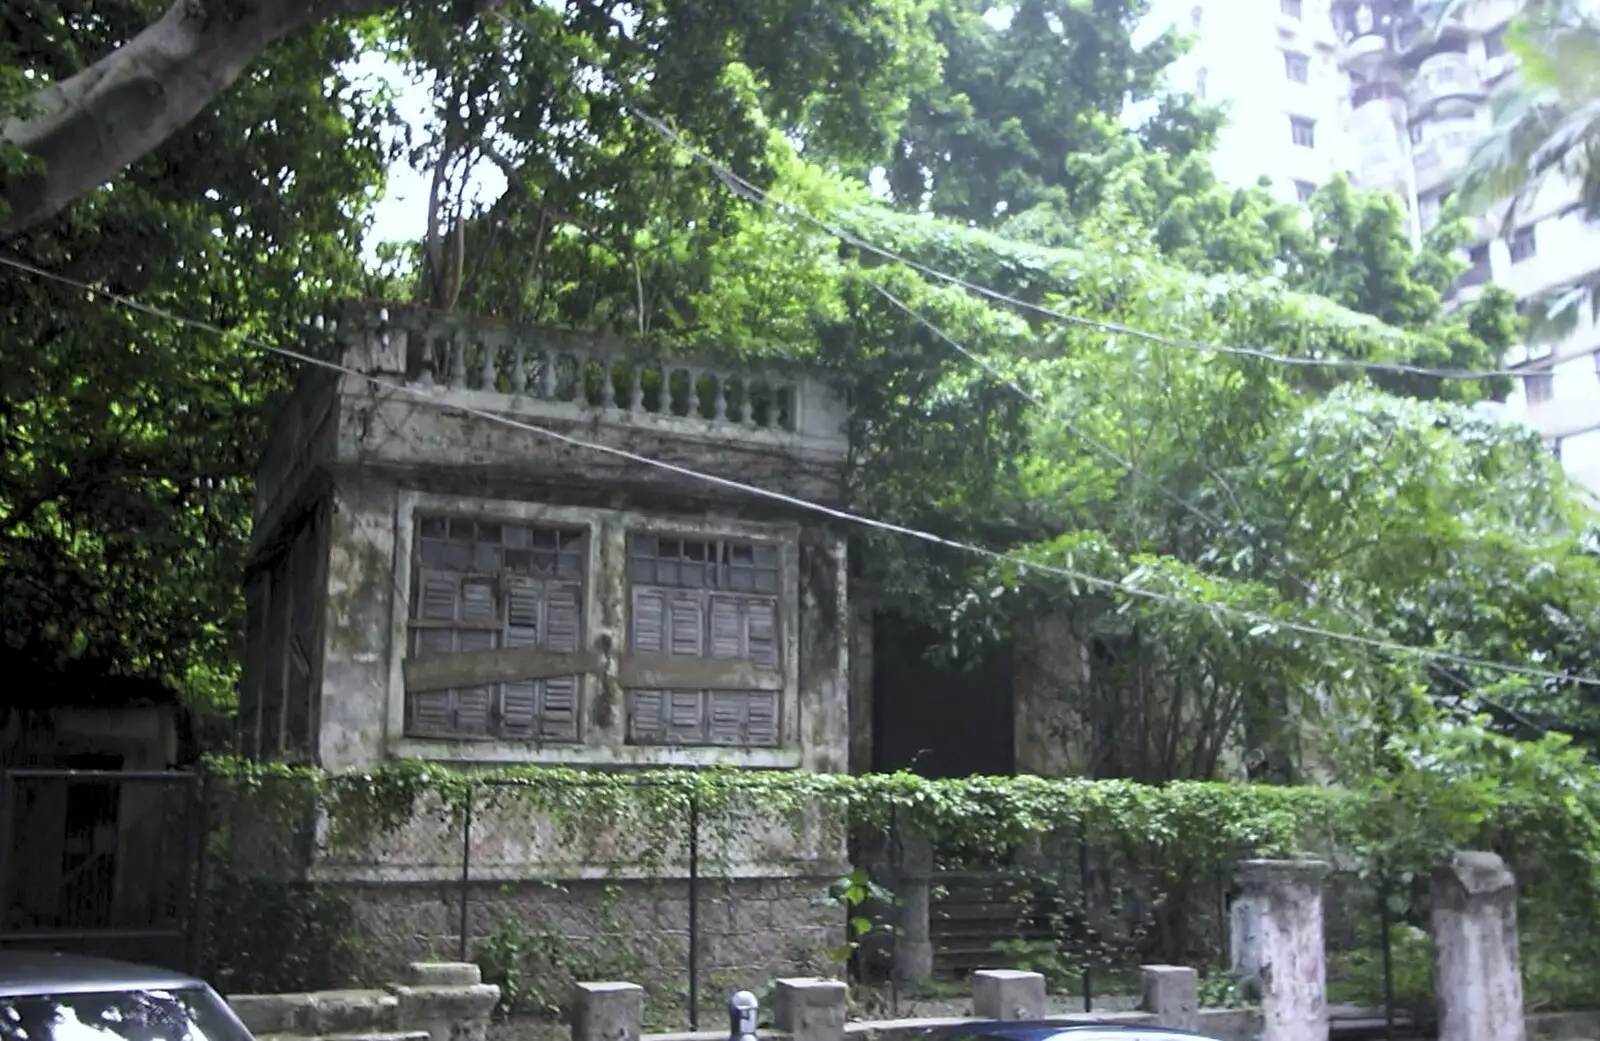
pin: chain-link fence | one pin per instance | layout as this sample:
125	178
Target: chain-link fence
278	883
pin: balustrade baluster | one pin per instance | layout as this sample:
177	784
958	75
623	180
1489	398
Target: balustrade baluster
457	347
691	406
608	384
749	417
519	370
547	378
636	392
488	377
719	410
425	374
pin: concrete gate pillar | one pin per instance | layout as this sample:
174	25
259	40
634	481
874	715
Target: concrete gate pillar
913	950
1477	971
1276	943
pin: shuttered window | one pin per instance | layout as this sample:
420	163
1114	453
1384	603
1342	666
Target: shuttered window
708	599
483	586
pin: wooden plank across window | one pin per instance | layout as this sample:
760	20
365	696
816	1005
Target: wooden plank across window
663	672
442	672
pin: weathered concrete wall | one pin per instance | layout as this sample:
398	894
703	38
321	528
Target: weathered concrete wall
1074	718
1052	729
750	930
369	573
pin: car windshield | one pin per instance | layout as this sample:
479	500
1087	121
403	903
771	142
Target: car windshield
184	1014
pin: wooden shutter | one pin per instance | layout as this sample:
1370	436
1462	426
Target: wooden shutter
478	601
559	709
685	717
524	598
564	617
727	628
739	717
761	718
686	618
647	716
437	593
761	632
519	709
430	713
648	621
474	711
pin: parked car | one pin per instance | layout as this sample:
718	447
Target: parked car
70	997
1048	1030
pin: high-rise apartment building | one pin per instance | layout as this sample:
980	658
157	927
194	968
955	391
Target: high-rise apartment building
1366	87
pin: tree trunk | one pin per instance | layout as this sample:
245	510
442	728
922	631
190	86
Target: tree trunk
85	129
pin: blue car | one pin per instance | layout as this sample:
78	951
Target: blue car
1051	1030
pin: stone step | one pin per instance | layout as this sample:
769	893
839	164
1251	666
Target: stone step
321	1014
400	1035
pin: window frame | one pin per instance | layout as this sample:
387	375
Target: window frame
1545	380
411	508
1296	124
1303	191
1523	244
498	626
1297	60
605	624
651	673
1292	9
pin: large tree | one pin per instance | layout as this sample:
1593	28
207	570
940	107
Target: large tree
1026	85
123	84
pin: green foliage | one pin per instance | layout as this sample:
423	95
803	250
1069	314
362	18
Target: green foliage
535	967
1546	128
855	893
274	936
1026	86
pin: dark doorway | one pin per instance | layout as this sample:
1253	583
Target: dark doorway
934	716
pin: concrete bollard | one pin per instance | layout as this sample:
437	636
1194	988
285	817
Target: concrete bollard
1172	995
1277	946
607	1011
1477	970
1007	994
810	1009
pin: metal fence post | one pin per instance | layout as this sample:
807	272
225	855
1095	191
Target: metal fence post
466	871
201	906
8	794
1388	958
1083	912
694	905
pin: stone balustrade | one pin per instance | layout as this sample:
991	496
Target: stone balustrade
586	373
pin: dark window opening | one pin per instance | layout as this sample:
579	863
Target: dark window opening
1523	245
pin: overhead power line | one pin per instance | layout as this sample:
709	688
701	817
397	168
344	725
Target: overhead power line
1261	623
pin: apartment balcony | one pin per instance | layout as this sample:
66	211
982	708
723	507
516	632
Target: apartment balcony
1366	30
1369	93
1446	85
1443	151
457	395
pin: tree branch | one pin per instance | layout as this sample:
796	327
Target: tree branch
88	127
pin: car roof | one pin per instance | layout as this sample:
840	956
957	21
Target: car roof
45	972
1045	1029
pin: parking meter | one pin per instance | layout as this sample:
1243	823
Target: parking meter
742	1009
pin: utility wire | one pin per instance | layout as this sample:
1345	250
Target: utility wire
754	193
1263	623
